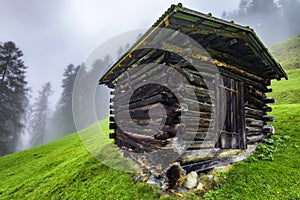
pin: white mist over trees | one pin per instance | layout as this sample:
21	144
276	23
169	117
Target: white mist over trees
62	121
39	117
273	20
13	96
35	123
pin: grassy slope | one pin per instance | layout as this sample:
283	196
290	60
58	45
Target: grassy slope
277	179
287	52
65	169
280	178
286	92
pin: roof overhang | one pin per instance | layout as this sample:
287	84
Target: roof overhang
225	41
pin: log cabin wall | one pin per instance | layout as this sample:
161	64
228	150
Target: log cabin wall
256	114
246	111
245	105
151	97
246	69
247	114
232	135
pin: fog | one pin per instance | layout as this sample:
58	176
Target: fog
54	34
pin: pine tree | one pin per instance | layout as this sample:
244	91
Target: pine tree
290	13
120	52
261	16
13	96
39	119
63	115
101	93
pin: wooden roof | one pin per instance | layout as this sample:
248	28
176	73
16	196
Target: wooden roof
225	41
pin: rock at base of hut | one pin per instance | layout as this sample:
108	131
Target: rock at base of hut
210	177
175	176
154	181
200	186
191	180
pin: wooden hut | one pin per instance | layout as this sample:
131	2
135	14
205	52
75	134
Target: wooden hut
245	69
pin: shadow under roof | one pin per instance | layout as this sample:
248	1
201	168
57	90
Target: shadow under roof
225	41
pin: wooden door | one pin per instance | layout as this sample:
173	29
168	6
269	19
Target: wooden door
233	132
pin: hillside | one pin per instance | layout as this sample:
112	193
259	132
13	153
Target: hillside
64	169
287	91
287	53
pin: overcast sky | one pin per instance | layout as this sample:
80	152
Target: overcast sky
55	33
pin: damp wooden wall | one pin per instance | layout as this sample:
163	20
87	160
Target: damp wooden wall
246	109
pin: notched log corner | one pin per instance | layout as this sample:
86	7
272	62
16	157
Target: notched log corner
175	176
171	178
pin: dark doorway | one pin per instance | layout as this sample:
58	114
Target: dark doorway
232	98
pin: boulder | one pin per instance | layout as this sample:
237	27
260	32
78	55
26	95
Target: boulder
200	186
191	180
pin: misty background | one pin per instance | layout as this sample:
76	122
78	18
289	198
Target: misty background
51	40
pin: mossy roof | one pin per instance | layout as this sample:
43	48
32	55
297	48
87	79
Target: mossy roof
225	41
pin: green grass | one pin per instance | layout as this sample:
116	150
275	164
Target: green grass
273	171
64	169
287	91
277	179
287	53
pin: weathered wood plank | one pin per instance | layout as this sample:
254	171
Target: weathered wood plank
253	129
144	110
241	116
256	93
206	164
254	139
269	100
268	129
231	68
252	111
198	155
202	145
267	109
268	118
254	133
258	117
254	122
268	90
253	100
142	142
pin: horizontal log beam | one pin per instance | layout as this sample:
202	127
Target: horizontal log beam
267	109
253	129
192	156
269	100
144	110
253	100
254	122
268	118
258	117
220	64
254	133
141	142
206	164
255	92
140	92
202	135
202	145
268	129
268	90
252	111
255	139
